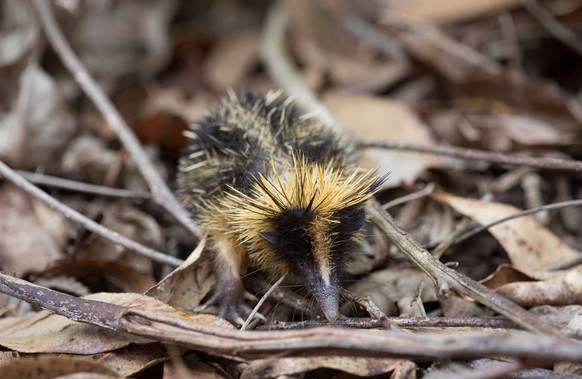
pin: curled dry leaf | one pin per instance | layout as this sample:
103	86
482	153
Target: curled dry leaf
560	317
131	223
45	332
7	357
20	32
394	285
33	236
273	368
565	289
381	119
329	49
500	89
430	11
505	274
39	125
98	274
528	243
88	159
133	358
121	38
46	367
188	284
232	59
189	368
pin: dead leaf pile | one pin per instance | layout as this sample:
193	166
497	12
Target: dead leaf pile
501	76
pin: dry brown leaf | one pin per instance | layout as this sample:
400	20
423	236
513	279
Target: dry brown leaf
125	38
565	289
131	223
527	131
48	367
20	32
560	317
100	274
231	59
188	284
505	274
88	159
394	285
455	306
528	243
32	236
427	11
504	89
382	119
355	75
191	369
7	357
133	358
36	130
45	332
272	368
535	288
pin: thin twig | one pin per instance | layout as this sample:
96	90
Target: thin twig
402	322
443	41
446	278
167	326
472	154
563	204
282	71
411	196
283	296
556	28
374	311
261	301
160	191
363	29
73	185
91	225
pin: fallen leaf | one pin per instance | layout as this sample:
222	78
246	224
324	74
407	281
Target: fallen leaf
39	125
565	289
33	236
8	357
188	284
505	274
98	275
45	332
442	11
528	243
191	369
20	31
126	38
132	359
393	285
129	222
87	158
48	367
385	120
475	78
560	317
529	131
231	59
271	368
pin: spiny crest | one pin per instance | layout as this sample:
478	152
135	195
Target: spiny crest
315	188
323	189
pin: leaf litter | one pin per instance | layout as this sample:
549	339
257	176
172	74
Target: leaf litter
484	75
